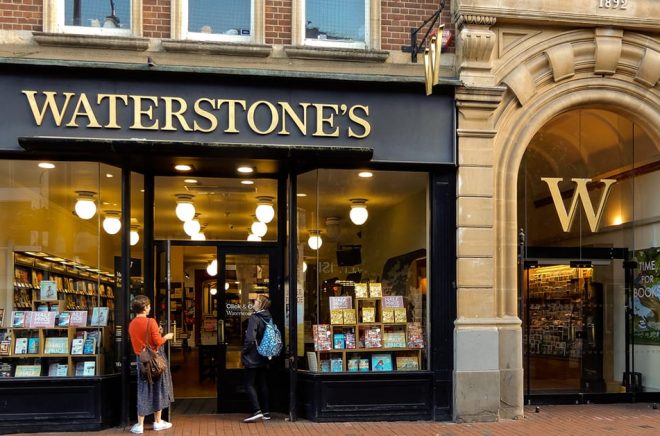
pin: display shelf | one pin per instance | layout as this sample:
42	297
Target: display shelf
369	344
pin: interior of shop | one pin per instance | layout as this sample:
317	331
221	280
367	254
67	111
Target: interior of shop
589	215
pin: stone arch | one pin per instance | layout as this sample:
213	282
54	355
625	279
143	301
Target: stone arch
516	128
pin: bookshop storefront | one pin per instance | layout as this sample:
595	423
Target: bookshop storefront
335	198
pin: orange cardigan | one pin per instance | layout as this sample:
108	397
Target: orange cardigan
137	330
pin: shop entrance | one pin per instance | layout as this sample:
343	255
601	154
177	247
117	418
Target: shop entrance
205	293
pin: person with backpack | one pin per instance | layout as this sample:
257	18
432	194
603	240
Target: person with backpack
255	364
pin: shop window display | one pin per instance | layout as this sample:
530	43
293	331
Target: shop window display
57	305
364	296
588	212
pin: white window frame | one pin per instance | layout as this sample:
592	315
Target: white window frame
180	29
54	16
371	28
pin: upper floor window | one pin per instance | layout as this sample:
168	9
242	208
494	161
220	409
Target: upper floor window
336	23
218	20
93	17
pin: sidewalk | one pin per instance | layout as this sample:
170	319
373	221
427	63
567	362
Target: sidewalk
590	419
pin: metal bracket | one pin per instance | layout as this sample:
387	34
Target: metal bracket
414	48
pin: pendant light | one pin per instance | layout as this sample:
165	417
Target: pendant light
193	226
135	236
112	222
212	268
200	236
265	211
259	228
359	212
185	210
315	240
85	204
253	238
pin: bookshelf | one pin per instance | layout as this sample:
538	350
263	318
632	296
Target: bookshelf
367	334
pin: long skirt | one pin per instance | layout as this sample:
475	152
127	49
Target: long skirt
155	396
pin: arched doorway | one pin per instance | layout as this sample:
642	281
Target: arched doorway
588	211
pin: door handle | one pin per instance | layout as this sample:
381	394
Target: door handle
221	331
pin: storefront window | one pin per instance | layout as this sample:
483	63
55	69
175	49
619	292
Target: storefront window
220	19
345	23
97	15
57	303
362	270
589	209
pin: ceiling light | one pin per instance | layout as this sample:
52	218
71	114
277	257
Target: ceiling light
247	182
193	226
359	213
185	210
253	238
301	194
258	228
112	222
198	237
135	236
365	174
304	266
85	204
212	268
46	165
226	286
109	176
191	181
213	291
314	240
332	227
183	167
265	211
245	170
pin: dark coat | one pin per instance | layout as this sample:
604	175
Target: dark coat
250	357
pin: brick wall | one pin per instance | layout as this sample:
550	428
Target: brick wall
278	22
156	18
21	15
398	17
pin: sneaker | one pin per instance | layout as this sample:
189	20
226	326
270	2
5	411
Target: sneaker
137	429
266	416
162	425
255	416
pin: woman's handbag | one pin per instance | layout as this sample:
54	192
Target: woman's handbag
153	364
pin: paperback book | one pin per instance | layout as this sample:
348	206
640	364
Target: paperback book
322	337
407	363
33	345
58	370
381	362
21	346
77	345
63	319
28	371
48	290
89	346
99	317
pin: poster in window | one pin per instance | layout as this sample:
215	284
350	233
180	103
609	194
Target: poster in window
646	297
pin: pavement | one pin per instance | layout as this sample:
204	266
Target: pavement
585	419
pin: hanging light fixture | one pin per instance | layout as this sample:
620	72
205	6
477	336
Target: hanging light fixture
212	268
304	266
193	226
135	236
185	209
85	204
265	211
213	291
198	237
315	240
332	228
259	228
253	238
112	222
359	213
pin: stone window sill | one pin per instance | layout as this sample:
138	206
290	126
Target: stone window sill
91	41
336	54
217	48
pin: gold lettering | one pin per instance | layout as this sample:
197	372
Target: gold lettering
581	192
288	110
87	112
138	112
49	104
231	117
274	117
360	121
205	114
170	113
330	120
112	108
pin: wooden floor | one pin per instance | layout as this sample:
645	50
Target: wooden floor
186	377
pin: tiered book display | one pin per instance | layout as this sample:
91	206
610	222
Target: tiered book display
368	332
59	319
555	302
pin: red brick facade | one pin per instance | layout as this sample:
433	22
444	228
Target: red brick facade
21	15
156	18
278	22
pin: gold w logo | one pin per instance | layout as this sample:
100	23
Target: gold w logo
581	193
432	61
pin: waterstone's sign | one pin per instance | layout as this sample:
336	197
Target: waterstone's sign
397	121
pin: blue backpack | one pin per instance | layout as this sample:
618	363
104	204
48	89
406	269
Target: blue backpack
271	342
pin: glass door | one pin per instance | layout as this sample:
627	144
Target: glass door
243	274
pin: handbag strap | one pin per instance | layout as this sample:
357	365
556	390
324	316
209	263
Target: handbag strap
146	334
